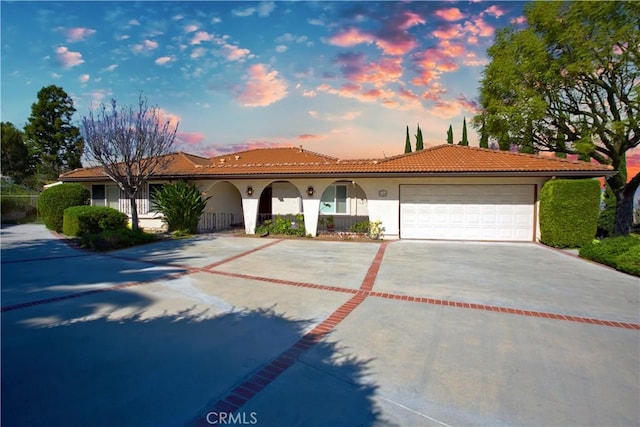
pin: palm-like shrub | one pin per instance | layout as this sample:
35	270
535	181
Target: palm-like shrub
181	205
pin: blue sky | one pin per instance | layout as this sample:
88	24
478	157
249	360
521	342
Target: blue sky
340	78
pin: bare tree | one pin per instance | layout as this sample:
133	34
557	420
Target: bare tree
129	143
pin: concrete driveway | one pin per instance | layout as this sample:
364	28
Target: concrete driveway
222	330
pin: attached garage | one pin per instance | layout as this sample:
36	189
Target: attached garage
467	212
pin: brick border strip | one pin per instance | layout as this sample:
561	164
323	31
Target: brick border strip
242	393
240	255
516	311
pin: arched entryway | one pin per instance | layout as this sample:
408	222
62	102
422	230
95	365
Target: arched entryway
343	208
223	210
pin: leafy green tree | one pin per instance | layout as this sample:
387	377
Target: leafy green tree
419	142
407	143
573	70
465	140
181	205
54	143
130	144
450	135
561	146
15	155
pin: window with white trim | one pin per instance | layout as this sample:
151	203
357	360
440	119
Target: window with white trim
334	200
105	195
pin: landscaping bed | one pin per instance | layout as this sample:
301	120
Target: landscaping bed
621	253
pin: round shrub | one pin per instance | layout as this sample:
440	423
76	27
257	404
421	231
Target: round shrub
80	220
54	200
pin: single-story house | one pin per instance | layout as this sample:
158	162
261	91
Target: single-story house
443	192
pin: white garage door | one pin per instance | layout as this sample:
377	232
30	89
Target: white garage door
467	212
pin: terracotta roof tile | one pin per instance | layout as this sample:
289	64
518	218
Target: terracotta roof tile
442	159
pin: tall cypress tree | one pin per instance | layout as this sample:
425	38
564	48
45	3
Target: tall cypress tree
419	143
465	140
407	144
484	135
450	135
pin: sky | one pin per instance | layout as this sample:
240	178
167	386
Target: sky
339	78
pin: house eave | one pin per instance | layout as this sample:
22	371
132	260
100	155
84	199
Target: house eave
550	173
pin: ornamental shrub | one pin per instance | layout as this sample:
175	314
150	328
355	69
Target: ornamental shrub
116	239
569	211
181	205
81	220
621	253
287	225
54	200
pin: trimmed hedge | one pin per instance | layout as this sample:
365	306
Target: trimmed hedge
54	200
569	210
621	253
116	239
81	220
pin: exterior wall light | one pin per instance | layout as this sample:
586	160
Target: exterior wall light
249	191
382	193
310	190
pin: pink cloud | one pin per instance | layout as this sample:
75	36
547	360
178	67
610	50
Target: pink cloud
234	53
472	60
84	78
433	92
479	27
222	149
307	136
67	58
145	46
190	28
190	138
447	32
380	73
201	36
163	60
452	108
262	87
350	37
519	20
494	11
451	14
163	116
78	33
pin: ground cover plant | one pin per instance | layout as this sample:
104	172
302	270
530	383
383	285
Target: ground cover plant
621	253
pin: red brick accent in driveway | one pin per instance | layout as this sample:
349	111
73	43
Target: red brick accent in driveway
240	255
241	393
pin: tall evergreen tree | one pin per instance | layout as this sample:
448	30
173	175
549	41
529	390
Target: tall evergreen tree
484	135
450	135
465	140
419	142
526	145
15	156
55	145
407	144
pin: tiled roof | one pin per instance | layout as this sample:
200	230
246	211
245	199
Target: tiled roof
442	159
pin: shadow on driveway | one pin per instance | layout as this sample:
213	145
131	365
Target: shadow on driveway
113	361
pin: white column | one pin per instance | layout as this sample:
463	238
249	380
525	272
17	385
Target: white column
311	207
250	211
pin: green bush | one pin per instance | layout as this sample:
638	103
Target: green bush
569	212
361	227
621	253
287	225
116	239
181	206
79	220
607	218
53	201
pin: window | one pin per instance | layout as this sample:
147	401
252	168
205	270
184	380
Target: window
105	195
152	190
334	200
98	195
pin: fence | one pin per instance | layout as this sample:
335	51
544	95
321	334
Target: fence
216	221
18	208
